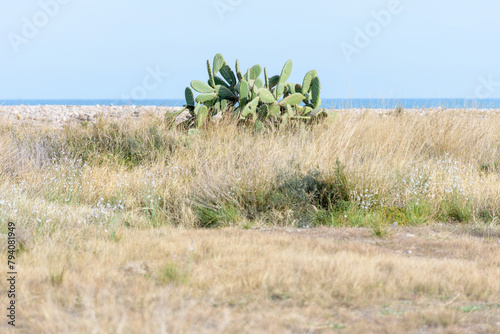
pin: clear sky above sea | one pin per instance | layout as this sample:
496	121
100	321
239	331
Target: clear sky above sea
66	49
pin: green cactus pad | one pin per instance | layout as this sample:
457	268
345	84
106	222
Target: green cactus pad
318	104
209	104
210	75
228	74
220	81
262	111
219	62
250	108
201	117
266	96
224	93
307	110
258	82
273	81
308	78
201	87
238	70
255	91
204	98
216	107
254	72
298	89
284	120
286	72
188	93
259	126
317	112
293	100
244	92
197	108
266	78
223	105
316	90
280	89
290	87
274	110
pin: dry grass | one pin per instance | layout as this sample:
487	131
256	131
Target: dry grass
105	215
231	280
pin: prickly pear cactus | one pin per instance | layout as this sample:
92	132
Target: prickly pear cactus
253	99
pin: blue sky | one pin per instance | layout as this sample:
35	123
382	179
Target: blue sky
360	48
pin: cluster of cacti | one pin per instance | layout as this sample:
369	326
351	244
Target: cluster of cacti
251	98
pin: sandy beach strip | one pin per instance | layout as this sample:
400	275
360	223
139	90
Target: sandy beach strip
59	115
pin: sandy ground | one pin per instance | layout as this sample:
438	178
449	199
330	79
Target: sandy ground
59	115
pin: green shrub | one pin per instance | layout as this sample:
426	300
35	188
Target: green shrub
323	190
216	215
171	274
456	208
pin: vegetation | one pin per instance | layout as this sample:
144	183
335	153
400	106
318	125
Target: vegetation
249	97
141	226
152	172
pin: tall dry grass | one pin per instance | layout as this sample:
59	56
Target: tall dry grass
447	163
104	215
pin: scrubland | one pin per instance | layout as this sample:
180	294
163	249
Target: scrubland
361	223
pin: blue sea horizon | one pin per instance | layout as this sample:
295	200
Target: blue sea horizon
450	103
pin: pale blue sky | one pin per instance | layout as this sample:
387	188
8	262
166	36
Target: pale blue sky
106	48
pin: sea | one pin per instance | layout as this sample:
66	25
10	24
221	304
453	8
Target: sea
326	103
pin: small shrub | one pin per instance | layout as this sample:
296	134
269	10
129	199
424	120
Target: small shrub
489	215
379	229
56	278
170	274
216	215
328	218
417	213
321	190
489	167
456	208
399	110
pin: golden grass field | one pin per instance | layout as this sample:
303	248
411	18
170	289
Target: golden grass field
363	223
